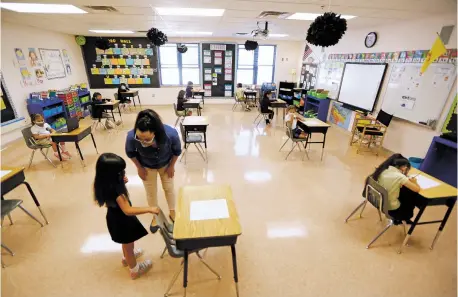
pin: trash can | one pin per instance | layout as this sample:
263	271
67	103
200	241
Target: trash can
415	162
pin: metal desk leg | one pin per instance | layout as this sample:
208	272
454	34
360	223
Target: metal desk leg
412	227
112	114
185	274
119	110
37	203
79	151
234	267
441	227
324	142
60	156
139	102
93	141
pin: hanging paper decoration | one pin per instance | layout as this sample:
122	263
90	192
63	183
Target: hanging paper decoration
156	37
80	40
182	48
251	45
102	44
327	29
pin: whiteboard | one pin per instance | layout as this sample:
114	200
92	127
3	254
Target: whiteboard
329	77
418	98
52	63
361	84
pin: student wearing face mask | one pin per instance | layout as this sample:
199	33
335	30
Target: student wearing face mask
154	149
41	132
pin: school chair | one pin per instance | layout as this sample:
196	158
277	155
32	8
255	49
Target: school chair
180	117
166	230
196	138
296	142
7	207
34	146
261	115
377	196
369	131
237	102
125	104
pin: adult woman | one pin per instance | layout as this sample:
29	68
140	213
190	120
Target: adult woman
154	148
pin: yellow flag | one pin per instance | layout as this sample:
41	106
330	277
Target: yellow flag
436	51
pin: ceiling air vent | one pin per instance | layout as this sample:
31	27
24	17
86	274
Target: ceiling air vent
142	31
273	15
103	8
241	33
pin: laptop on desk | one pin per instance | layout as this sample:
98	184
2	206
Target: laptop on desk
72	124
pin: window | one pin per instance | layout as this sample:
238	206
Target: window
176	68
256	67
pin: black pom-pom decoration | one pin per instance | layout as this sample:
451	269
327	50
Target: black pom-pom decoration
182	48
251	45
156	37
102	43
327	29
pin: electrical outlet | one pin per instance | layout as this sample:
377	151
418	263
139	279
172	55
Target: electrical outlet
153	95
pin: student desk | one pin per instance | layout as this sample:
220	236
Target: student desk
193	103
444	194
315	126
13	179
131	94
111	105
199	93
200	234
75	136
278	103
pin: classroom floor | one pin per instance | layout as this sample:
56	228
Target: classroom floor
294	240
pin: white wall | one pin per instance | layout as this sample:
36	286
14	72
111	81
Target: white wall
288	56
402	136
18	36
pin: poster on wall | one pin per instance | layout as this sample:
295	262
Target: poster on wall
341	116
52	63
26	77
66	58
20	58
8	113
34	60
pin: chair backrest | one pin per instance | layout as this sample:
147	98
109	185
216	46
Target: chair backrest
166	230
377	195
175	108
384	118
183	132
116	96
28	137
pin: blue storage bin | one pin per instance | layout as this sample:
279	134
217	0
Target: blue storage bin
415	162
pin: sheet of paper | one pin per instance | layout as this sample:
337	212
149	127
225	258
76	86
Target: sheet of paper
426	183
5	172
209	210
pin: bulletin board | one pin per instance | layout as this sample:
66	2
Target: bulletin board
8	113
52	63
128	60
330	76
218	64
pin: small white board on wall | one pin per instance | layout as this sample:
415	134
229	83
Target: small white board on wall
418	98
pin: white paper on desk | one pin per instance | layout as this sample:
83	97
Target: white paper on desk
5	172
426	183
311	122
209	210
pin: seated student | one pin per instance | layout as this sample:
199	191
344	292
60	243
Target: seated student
98	112
265	103
122	89
392	175
189	89
41	132
240	96
180	100
298	128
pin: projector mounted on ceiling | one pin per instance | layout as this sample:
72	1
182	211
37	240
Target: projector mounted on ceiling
261	33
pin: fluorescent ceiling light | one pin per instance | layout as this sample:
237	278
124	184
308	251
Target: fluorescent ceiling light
191	33
278	35
189	11
112	31
41	8
303	16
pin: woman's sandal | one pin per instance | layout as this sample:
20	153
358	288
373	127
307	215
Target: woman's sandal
153	228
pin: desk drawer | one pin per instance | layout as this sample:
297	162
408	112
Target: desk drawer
195	128
201	243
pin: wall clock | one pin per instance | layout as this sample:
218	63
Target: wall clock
370	40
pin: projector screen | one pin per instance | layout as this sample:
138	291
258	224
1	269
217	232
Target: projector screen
361	84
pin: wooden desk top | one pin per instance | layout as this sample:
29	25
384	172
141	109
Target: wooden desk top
184	228
250	91
131	92
313	122
114	102
278	101
443	190
193	101
75	132
195	121
198	91
14	171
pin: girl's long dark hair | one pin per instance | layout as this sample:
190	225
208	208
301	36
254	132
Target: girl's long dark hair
396	160
181	94
149	120
109	179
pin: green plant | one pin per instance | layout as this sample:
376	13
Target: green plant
310	114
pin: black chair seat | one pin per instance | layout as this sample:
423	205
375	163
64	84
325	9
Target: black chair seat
370	131
9	205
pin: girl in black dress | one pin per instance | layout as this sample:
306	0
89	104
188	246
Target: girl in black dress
123	225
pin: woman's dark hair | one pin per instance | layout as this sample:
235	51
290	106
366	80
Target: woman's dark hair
267	93
109	179
181	94
239	85
94	96
189	83
149	120
396	160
